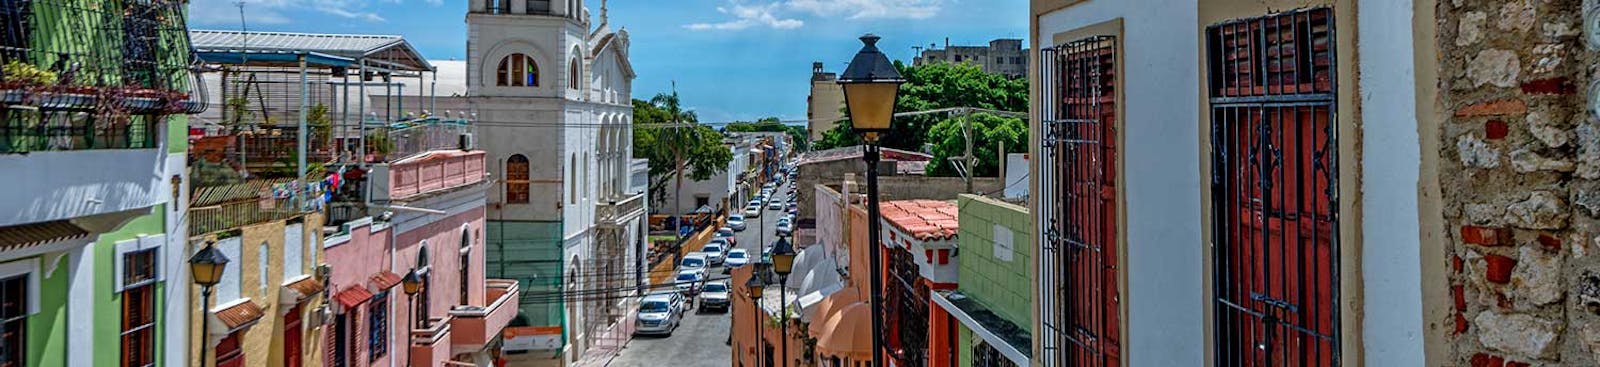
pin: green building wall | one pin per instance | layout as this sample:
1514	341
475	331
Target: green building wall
1005	287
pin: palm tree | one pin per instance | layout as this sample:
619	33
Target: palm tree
677	139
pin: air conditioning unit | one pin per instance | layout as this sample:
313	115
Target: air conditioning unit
467	142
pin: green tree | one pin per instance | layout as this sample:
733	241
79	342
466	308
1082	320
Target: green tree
934	86
988	132
771	124
684	148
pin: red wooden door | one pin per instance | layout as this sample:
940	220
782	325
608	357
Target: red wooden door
1274	190
291	338
229	351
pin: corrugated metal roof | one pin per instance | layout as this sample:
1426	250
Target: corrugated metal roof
248	190
33	234
354	46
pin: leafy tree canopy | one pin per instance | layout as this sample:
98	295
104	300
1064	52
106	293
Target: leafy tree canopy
694	152
945	85
771	124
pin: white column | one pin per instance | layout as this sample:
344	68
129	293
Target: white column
79	267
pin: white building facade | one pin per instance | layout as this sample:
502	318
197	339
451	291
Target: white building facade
554	94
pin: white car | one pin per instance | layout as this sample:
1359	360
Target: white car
785	226
713	252
752	211
714	296
775	206
736	258
736	222
659	313
688	282
693	261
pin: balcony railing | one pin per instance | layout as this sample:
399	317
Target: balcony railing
431	346
619	211
415	137
217	208
24	131
476	326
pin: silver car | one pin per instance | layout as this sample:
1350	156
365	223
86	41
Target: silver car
659	314
715	295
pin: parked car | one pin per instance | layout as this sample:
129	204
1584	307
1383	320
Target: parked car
688	282
713	252
792	206
732	240
692	261
659	313
736	258
736	222
784	227
775	206
752	211
714	296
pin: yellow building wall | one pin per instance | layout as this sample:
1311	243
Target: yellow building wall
263	342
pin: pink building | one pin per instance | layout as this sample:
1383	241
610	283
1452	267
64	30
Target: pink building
422	213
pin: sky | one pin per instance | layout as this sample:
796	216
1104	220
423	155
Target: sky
731	59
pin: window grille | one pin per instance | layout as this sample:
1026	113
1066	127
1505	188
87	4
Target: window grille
378	326
1274	190
984	355
910	299
1079	207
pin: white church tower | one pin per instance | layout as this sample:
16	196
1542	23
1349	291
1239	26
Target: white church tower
552	93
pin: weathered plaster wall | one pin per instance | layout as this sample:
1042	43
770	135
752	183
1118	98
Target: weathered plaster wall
1519	165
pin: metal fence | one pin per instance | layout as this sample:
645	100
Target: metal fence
1274	190
420	136
1078	290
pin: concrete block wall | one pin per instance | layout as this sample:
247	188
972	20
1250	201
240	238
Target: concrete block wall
1520	175
1004	286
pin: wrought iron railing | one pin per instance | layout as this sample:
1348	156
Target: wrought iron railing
111	58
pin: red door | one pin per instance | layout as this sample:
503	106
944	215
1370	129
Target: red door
291	338
1274	190
229	353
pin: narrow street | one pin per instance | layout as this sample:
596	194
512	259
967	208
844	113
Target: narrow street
702	338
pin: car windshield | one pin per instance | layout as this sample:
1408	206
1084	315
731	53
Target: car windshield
736	255
653	306
693	263
686	277
716	287
712	248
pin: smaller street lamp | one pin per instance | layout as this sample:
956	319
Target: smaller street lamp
412	284
756	287
206	267
783	263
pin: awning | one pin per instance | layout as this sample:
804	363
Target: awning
845	334
34	234
234	316
299	290
384	280
352	296
808	302
1013	341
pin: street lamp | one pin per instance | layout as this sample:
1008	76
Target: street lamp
783	263
870	85
206	267
413	284
756	287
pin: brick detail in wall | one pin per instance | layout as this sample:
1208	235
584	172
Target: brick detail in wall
1519	174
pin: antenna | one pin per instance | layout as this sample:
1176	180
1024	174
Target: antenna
244	34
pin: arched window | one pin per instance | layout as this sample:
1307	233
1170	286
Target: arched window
517	70
517	179
572	74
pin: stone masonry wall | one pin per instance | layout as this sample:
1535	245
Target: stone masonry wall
1520	172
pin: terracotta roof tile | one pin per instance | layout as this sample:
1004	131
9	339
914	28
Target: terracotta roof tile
385	280
352	296
305	287
240	315
923	219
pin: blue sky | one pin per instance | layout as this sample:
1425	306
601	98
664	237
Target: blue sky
732	59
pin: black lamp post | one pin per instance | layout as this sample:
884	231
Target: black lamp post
206	268
756	287
783	263
870	85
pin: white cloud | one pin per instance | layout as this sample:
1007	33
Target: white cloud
746	16
869	9
226	12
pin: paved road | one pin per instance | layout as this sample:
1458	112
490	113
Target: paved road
701	341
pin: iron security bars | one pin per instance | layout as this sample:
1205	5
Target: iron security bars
909	297
1274	190
105	56
1079	304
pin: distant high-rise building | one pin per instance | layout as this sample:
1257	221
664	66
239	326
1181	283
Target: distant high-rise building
823	106
1002	56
